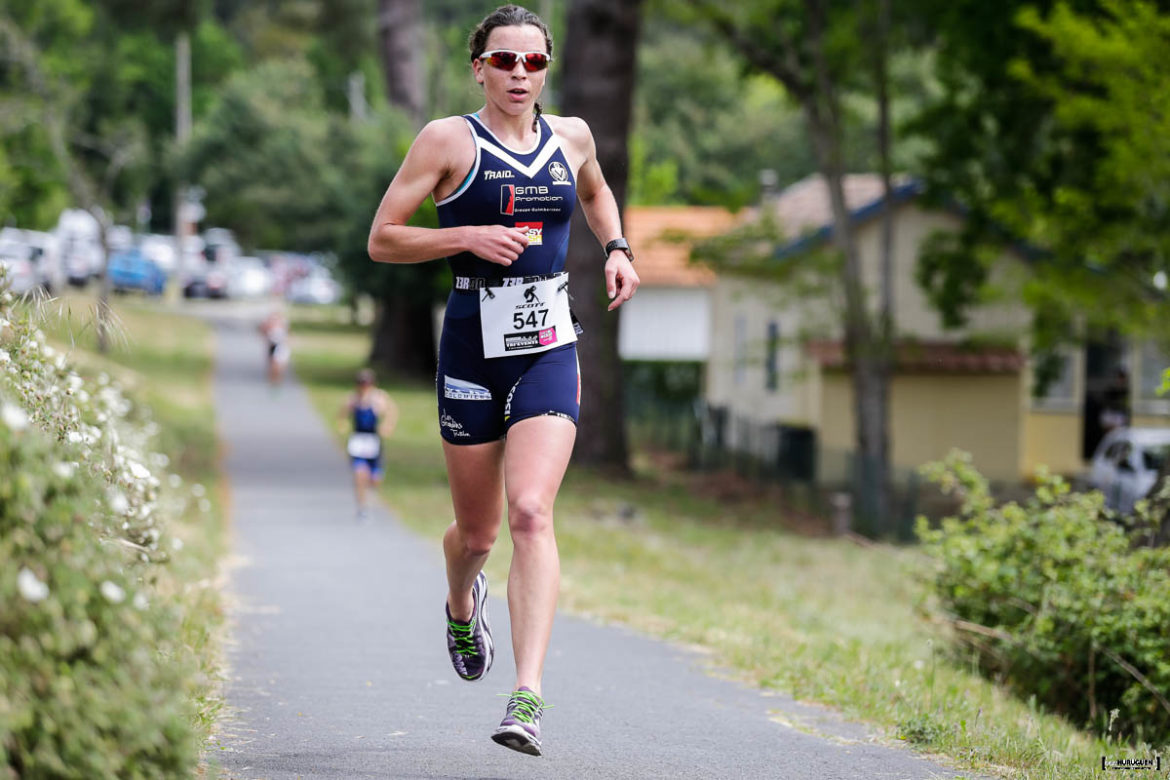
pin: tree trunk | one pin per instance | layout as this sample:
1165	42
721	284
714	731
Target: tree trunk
863	345
400	34
598	86
404	340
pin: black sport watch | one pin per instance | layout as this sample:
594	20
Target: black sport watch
622	244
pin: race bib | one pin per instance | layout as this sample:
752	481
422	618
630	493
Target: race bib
364	445
523	317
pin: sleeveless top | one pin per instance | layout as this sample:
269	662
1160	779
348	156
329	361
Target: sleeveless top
533	189
365	419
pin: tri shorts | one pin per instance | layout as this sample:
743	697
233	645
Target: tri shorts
481	398
372	465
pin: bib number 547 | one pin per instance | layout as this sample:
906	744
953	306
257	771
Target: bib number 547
521	321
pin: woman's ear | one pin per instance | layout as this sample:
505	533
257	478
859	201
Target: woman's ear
477	70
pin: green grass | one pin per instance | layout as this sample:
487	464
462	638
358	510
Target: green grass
165	361
824	620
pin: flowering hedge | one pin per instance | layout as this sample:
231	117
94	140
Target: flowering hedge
94	681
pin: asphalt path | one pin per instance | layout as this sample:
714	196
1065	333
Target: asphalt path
338	668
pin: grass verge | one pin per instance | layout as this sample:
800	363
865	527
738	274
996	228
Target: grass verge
824	620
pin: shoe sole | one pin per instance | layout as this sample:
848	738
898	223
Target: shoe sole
489	647
517	739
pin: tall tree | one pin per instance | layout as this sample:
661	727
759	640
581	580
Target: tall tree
813	48
399	33
598	86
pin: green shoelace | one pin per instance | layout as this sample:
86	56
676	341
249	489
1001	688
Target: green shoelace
464	637
524	706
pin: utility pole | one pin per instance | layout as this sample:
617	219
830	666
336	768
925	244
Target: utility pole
182	134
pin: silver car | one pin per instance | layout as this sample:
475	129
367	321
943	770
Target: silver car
1126	464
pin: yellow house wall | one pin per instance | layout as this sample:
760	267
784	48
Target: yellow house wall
1053	439
929	415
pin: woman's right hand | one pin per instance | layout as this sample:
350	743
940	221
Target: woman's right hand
498	244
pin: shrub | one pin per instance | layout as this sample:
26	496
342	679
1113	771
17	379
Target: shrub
93	681
1057	601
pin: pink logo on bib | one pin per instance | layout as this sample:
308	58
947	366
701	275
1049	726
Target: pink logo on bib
548	336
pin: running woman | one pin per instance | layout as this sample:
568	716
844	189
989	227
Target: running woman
505	180
370	415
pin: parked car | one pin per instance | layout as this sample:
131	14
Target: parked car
44	254
130	269
205	280
248	277
1126	463
315	288
20	271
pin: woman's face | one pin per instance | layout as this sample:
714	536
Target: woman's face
516	90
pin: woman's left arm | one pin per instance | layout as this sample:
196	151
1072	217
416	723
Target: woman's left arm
601	212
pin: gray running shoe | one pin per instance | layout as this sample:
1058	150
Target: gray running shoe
470	644
520	728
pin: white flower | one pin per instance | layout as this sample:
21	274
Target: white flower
174	480
49	352
113	593
138	471
140	601
64	470
176	544
74	437
119	505
13	416
30	587
204	505
4	357
198	490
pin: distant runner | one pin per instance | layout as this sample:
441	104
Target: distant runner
369	415
274	328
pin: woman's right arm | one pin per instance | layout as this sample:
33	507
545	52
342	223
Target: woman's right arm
431	160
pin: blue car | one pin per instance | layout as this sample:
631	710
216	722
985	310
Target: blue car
129	269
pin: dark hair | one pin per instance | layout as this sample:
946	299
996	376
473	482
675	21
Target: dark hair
507	16
365	377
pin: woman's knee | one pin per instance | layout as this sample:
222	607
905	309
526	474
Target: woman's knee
529	516
478	541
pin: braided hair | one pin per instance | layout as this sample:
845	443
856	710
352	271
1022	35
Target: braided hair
508	16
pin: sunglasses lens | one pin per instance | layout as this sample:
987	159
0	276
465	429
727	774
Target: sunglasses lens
535	61
504	60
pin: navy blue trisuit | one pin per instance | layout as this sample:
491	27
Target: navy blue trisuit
365	421
480	398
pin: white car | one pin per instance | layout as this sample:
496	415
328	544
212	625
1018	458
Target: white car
248	277
20	270
1126	464
315	288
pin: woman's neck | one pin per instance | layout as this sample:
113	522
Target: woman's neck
516	131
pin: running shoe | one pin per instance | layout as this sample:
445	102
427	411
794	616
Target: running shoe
470	643
520	728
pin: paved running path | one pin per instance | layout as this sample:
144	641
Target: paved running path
338	667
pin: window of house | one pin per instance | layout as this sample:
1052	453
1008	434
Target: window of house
1054	380
739	350
772	360
1153	362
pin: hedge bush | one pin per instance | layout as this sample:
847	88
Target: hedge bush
93	682
1057	601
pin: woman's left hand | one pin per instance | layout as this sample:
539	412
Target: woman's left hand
621	280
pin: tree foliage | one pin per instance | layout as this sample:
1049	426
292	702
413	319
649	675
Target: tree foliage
1050	131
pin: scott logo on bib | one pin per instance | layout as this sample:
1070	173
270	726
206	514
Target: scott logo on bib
520	320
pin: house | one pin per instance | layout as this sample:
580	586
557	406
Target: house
778	360
670	317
